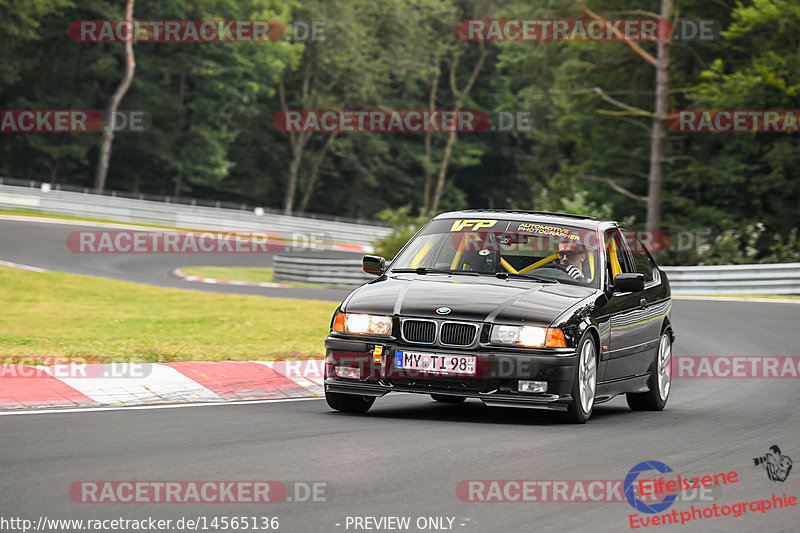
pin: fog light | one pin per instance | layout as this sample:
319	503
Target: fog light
532	386
349	372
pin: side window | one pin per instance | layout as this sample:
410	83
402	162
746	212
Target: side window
641	259
617	261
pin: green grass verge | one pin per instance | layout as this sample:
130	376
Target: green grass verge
260	275
72	316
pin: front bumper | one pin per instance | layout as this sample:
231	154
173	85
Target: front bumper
495	383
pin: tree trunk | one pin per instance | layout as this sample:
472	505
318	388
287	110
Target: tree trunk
116	98
427	183
460	96
658	135
312	178
178	180
297	140
658	131
291	185
440	178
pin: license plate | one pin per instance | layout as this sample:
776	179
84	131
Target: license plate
460	365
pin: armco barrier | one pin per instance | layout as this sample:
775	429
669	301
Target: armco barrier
331	272
772	279
185	216
769	279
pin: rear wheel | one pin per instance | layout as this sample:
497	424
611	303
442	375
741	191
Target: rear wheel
584	382
444	398
349	403
660	380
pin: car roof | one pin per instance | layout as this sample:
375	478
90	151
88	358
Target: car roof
566	219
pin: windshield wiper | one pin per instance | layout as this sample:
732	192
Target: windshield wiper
543	279
428	270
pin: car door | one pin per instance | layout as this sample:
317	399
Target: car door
628	315
658	300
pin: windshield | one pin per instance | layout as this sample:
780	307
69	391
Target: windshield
518	250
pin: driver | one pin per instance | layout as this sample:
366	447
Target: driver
571	256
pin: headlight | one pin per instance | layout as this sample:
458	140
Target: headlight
532	336
362	324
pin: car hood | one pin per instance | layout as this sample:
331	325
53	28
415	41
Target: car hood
480	299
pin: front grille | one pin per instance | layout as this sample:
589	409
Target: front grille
458	334
466	385
419	331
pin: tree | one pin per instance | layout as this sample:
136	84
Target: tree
113	105
659	116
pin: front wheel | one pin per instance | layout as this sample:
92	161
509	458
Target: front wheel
660	380
584	382
349	403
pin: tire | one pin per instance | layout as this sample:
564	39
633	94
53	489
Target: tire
444	398
584	382
660	380
349	403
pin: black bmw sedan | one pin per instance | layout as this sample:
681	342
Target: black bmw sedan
516	309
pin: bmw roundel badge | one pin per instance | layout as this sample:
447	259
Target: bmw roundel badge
443	310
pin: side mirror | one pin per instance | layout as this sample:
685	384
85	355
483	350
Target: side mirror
629	282
373	264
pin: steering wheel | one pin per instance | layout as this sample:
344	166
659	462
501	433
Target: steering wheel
556	265
562	268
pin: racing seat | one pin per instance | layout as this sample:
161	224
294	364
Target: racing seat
484	261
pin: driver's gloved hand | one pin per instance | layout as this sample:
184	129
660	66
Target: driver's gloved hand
574	272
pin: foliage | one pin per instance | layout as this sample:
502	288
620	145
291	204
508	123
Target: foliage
212	107
404	226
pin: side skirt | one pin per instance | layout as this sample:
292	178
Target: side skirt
608	389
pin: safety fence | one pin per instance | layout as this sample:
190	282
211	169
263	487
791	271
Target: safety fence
330	272
767	279
187	214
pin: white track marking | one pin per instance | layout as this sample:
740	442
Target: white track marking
22	267
178	273
159	383
311	379
147	407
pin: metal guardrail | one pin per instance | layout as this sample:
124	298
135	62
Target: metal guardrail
331	272
163	213
767	279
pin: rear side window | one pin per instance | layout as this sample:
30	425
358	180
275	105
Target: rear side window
641	259
617	258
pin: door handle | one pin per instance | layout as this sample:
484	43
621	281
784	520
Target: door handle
643	303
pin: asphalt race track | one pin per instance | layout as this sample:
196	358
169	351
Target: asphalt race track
408	454
44	245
